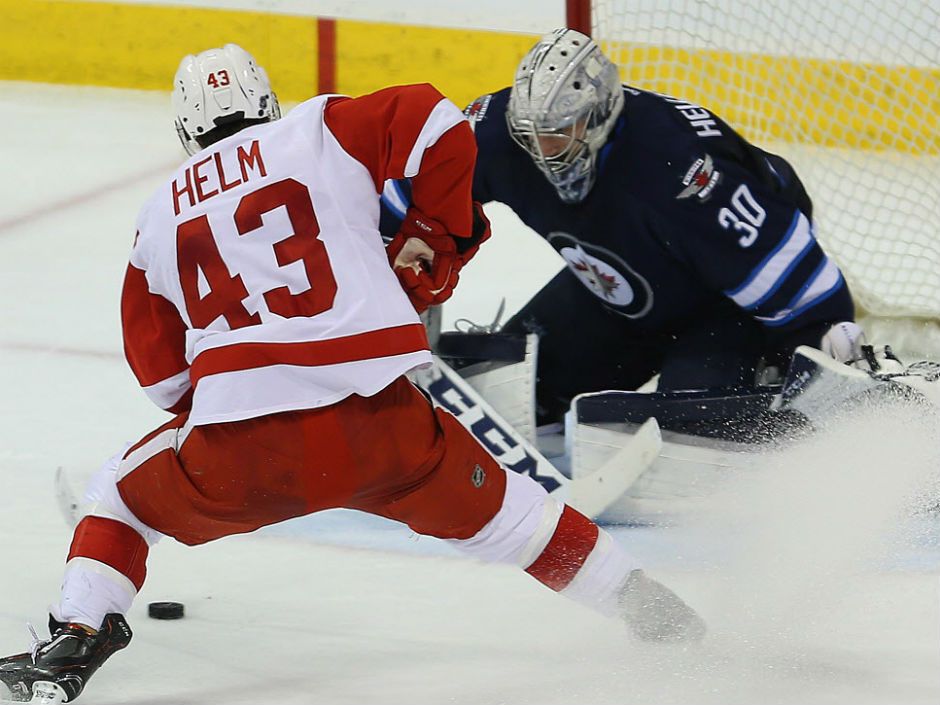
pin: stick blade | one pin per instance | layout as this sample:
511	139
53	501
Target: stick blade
594	493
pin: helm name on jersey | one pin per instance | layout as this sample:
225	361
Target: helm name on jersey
700	179
699	118
209	176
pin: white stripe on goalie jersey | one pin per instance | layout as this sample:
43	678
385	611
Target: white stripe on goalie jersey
167	392
521	529
443	116
602	577
770	274
825	281
394	199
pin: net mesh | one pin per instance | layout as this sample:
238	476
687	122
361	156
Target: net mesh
848	91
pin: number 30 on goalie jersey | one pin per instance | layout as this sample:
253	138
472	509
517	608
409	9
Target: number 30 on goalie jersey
258	281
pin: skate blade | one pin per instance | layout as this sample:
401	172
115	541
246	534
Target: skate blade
44	693
47	693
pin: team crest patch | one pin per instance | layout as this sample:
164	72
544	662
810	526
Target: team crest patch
605	284
476	111
700	180
478	477
606	275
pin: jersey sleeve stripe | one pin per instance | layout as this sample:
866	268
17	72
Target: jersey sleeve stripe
166	393
773	270
385	342
826	280
443	116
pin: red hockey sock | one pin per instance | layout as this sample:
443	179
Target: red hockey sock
574	538
112	543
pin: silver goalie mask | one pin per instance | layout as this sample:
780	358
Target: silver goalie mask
565	99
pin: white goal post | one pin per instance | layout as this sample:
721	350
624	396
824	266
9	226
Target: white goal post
846	90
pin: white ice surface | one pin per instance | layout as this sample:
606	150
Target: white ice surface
808	602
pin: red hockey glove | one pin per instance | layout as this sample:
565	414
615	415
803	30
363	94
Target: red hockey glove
427	259
424	257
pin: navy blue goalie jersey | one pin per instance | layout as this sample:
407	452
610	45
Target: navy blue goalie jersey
685	216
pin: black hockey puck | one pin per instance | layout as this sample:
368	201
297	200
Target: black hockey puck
166	610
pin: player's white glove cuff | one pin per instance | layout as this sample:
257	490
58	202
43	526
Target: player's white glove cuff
844	341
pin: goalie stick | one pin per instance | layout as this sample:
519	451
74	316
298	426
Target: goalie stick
590	495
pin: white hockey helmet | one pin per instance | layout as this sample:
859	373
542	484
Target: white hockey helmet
565	99
218	88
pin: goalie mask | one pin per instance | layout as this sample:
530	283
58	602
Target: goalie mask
218	92
565	99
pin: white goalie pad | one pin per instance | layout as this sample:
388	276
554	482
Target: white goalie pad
684	470
510	389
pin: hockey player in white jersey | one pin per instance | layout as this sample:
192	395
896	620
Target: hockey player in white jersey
259	307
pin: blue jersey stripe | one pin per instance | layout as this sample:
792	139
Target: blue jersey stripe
824	282
764	280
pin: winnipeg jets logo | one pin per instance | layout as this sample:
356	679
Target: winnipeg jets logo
700	179
606	275
607	284
476	111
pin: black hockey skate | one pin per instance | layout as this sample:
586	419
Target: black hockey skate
66	661
656	613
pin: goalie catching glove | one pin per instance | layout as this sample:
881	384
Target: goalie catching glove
427	259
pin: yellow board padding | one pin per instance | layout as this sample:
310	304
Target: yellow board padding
824	102
830	103
140	46
462	64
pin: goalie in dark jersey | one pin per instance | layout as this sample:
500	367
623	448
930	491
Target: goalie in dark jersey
690	252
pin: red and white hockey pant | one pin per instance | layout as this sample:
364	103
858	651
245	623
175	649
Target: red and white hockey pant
390	454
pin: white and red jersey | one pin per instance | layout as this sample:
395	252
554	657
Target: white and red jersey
259	283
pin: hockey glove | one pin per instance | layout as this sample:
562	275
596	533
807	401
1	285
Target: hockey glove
467	246
844	342
427	259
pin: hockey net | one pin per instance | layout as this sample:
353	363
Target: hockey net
847	90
